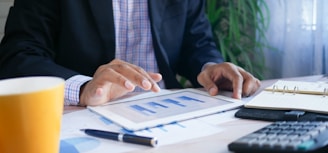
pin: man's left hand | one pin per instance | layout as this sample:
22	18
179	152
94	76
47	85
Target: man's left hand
227	76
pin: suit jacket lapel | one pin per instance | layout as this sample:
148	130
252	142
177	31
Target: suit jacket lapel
103	14
156	14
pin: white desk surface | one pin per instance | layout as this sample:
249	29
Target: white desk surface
217	143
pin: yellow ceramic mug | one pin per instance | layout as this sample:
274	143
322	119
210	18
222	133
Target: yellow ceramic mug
30	114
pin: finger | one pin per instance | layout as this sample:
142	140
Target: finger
108	75
92	94
251	84
155	76
210	86
97	98
138	76
233	74
97	94
237	85
247	84
148	82
257	86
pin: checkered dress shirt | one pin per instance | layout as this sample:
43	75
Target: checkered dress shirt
133	43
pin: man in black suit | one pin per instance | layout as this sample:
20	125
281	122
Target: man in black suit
106	48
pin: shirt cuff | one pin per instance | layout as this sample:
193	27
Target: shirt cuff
72	88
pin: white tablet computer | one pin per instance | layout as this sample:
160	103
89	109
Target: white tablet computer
155	110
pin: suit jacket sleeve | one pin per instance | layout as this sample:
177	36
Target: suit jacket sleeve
68	37
198	46
28	47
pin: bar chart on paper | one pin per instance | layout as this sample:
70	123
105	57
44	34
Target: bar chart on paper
75	141
158	107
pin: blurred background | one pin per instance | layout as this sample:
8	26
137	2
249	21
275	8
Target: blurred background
269	38
272	38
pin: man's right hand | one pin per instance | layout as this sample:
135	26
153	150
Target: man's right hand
116	79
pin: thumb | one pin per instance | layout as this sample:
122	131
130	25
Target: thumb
98	97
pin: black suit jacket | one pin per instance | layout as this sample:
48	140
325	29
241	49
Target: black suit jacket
69	37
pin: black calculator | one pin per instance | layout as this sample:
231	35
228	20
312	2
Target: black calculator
285	137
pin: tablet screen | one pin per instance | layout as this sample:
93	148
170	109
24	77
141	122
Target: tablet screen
163	109
164	106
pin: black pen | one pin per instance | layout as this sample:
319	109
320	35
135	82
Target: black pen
130	138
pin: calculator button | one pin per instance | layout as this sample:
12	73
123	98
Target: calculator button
306	145
284	136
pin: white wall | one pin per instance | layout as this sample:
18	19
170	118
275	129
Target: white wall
4	8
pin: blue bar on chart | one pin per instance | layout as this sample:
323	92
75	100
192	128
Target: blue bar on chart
173	102
190	99
156	105
142	110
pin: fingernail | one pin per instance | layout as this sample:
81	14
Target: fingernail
146	84
129	85
239	94
157	88
99	92
246	94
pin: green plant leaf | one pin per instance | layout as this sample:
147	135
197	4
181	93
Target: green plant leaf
239	28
